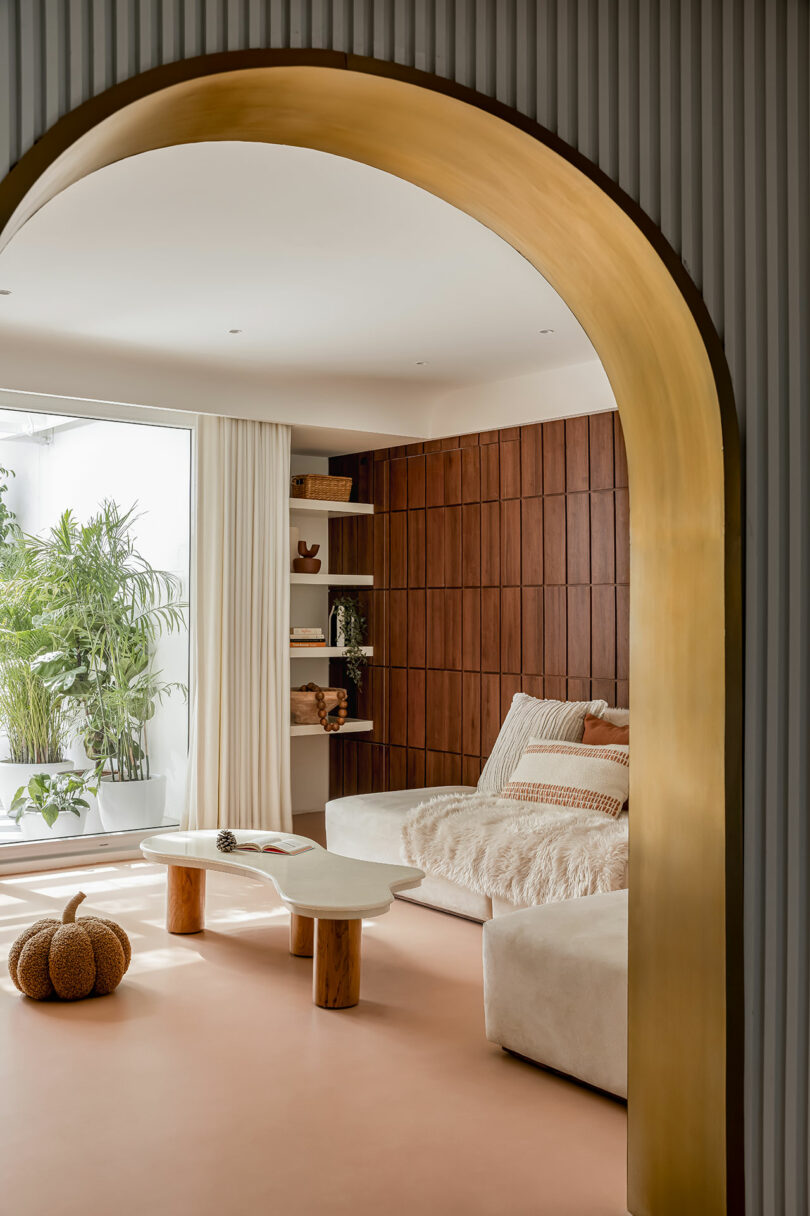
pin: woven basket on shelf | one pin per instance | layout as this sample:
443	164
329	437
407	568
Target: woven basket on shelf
319	486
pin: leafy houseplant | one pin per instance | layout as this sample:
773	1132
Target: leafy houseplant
52	795
106	608
350	624
35	718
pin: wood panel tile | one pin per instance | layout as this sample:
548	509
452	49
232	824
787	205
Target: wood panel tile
510	468
471	713
349	765
412	709
578	688
381	687
453	627
416	482
603	632
555	638
531	460
381	485
471	629
471	770
579	632
578	537
435	710
490	473
490	628
417	629
619	453
622	632
397	768
622	508
534	686
398	628
398	484
416	769
511	542
603	534
470	474
600	434
435	628
554	458
554	551
510	629
490	711
453	709
532	630
416	548
364	770
531	539
471	545
380	568
490	544
577	476
452	477
434	480
510	685
398	548
434	541
453	550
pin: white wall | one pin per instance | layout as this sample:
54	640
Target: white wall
130	463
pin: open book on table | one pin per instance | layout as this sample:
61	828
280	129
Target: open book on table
266	842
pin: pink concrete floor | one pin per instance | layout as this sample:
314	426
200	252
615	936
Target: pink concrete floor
209	1084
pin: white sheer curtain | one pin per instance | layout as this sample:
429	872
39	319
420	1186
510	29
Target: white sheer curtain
239	767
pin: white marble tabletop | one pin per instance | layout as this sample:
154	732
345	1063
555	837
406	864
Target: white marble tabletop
317	883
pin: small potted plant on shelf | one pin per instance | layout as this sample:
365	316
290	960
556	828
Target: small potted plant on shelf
347	627
108	606
53	804
35	719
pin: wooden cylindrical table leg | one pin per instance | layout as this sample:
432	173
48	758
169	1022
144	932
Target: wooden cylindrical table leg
336	973
185	909
302	933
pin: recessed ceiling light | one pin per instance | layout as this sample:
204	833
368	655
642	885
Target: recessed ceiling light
421	363
234	331
546	331
4	291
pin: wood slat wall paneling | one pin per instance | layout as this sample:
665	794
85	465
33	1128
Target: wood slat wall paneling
478	599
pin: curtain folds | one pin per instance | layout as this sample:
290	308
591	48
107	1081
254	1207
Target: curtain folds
239	765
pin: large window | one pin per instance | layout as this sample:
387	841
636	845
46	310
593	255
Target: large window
94	656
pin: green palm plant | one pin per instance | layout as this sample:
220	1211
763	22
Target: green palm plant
106	606
35	717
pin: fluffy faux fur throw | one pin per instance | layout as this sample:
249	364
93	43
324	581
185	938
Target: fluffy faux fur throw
522	852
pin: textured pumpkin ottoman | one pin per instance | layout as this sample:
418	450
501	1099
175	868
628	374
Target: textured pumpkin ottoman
555	987
70	959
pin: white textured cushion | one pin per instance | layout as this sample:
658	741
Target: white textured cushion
617	717
584	776
555	987
527	717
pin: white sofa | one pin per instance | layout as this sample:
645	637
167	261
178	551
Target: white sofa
555	987
369	826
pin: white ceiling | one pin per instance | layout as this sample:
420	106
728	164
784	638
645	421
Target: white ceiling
327	266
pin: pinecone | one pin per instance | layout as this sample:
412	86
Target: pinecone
226	841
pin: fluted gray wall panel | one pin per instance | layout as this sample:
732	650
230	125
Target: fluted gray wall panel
699	110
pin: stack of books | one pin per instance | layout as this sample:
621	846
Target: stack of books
307	637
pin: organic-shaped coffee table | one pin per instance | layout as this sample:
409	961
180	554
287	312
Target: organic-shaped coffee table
327	895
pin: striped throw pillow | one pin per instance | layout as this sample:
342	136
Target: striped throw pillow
580	776
527	717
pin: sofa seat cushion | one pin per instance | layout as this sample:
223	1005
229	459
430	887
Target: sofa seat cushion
555	987
369	826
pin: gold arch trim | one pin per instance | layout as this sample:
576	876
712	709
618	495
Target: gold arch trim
685	653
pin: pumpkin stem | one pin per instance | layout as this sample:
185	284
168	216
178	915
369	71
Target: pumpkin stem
69	914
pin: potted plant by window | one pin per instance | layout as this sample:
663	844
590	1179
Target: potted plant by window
34	718
53	804
107	607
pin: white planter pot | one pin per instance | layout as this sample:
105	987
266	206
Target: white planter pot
128	805
34	827
12	776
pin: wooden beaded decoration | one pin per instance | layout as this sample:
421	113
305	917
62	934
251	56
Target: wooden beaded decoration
320	701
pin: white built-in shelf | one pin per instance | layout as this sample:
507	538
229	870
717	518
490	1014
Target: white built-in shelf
324	652
351	726
333	580
334	510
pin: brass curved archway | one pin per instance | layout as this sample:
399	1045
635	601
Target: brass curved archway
652	334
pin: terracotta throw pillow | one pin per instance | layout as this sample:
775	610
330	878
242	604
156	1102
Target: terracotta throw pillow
598	731
559	774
